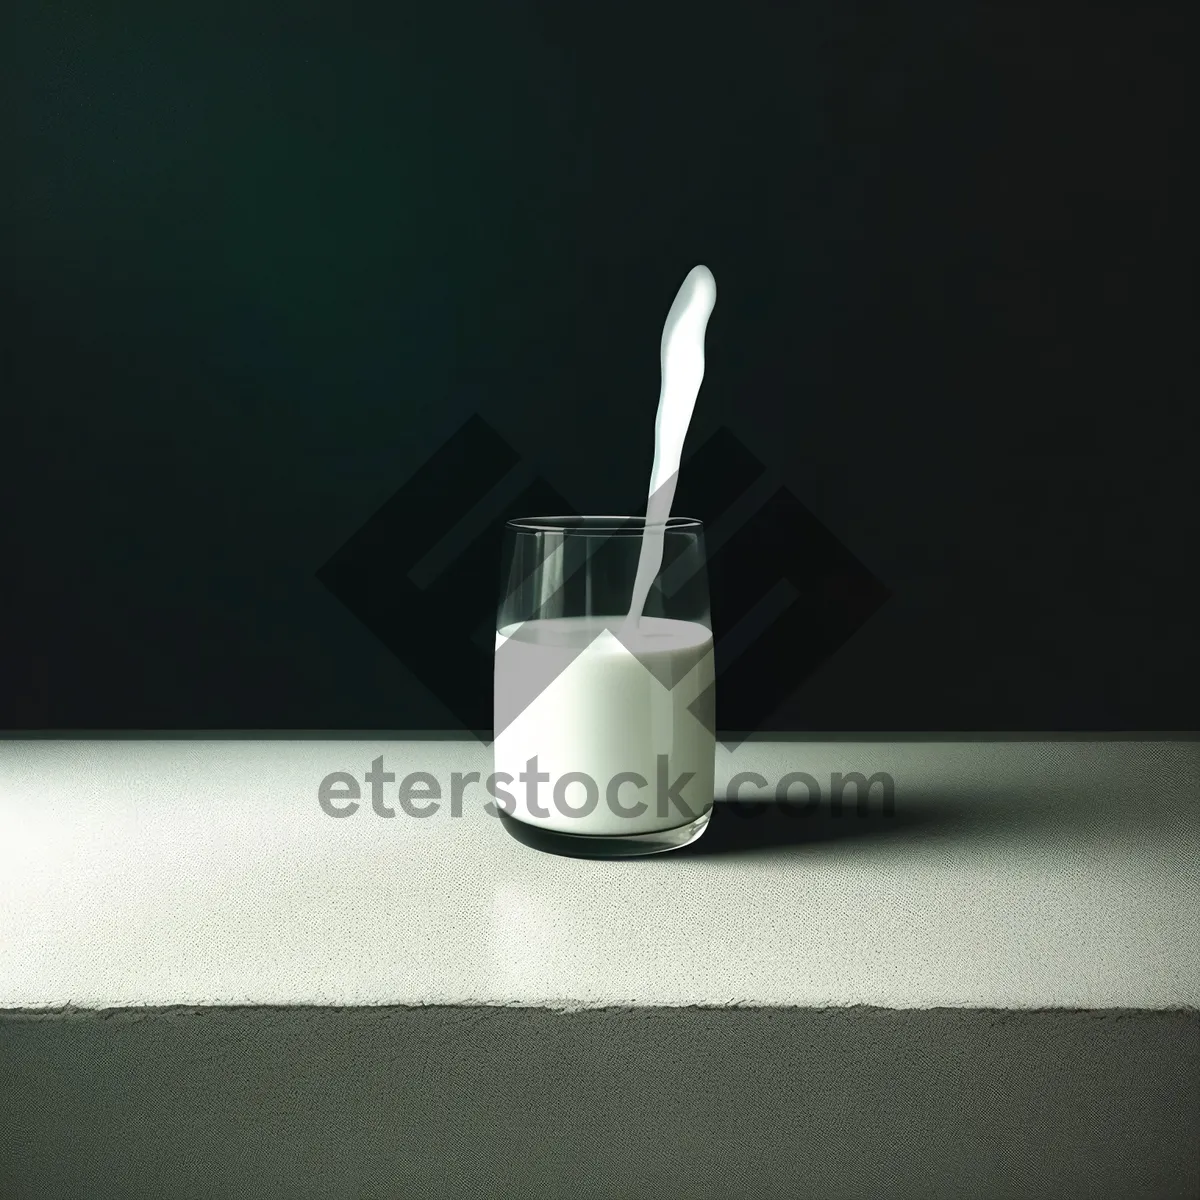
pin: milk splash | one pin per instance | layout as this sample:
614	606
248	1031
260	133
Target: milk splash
681	357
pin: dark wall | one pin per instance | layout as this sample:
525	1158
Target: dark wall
261	263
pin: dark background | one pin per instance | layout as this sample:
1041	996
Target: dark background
261	262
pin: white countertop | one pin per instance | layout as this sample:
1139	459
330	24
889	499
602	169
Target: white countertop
192	872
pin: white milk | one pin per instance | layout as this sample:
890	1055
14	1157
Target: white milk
609	711
681	359
611	708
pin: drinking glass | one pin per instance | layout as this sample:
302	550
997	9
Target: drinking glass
604	727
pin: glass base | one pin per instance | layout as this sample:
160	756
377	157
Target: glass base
582	845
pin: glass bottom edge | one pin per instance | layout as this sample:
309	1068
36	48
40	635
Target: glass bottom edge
598	845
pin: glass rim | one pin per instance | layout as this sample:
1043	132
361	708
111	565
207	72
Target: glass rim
586	525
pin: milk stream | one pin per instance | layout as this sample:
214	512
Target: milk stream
681	357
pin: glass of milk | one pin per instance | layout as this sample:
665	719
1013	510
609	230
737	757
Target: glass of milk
604	739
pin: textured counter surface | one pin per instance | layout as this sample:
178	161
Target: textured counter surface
190	872
812	1007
